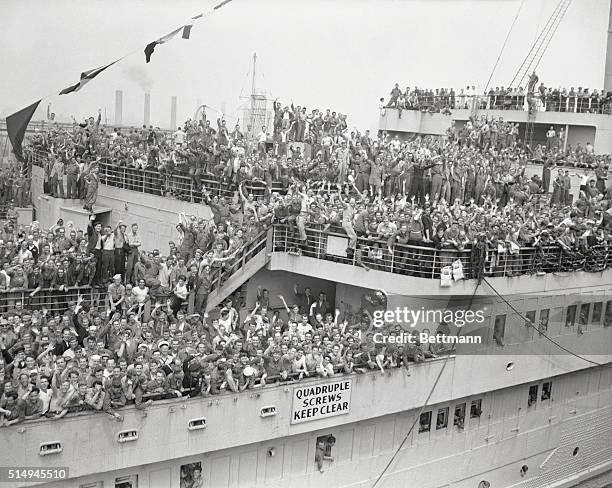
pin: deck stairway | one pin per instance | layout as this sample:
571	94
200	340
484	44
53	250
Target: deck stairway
249	261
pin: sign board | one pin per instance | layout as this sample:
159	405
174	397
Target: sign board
316	402
336	246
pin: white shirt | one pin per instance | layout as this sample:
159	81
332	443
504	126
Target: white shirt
181	291
303	328
7	277
109	243
22	255
45	396
262	137
140	294
179	137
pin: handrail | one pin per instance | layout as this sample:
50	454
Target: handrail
418	261
52	299
271	382
509	101
56	301
248	251
427	261
180	183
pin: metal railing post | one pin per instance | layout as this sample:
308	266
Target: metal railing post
433	264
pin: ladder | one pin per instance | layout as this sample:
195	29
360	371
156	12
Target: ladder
535	54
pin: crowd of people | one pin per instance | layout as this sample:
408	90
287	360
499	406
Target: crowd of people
14	186
541	98
469	192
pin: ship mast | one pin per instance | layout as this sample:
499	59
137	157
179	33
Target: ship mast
255	112
252	123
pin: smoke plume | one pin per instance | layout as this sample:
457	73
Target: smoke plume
139	75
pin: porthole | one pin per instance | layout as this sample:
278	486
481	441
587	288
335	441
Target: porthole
484	484
524	469
575	452
509	366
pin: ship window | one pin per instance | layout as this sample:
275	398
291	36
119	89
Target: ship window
459	420
499	329
530	318
425	422
546	390
442	419
328	442
130	481
570	317
524	469
323	452
583	318
191	474
476	409
533	395
50	448
484	484
543	323
608	315
596	316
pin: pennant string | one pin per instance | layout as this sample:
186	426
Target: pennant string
225	2
19	120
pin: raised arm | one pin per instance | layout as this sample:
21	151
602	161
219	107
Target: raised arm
284	303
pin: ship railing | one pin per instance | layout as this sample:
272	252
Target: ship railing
53	300
154	182
510	101
57	301
425	261
170	398
575	105
40	125
181	183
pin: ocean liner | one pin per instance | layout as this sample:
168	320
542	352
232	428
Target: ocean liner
528	405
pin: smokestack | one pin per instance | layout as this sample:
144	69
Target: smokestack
147	110
608	67
118	107
173	113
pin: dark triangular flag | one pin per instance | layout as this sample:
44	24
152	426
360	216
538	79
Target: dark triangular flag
149	50
16	125
187	31
85	78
